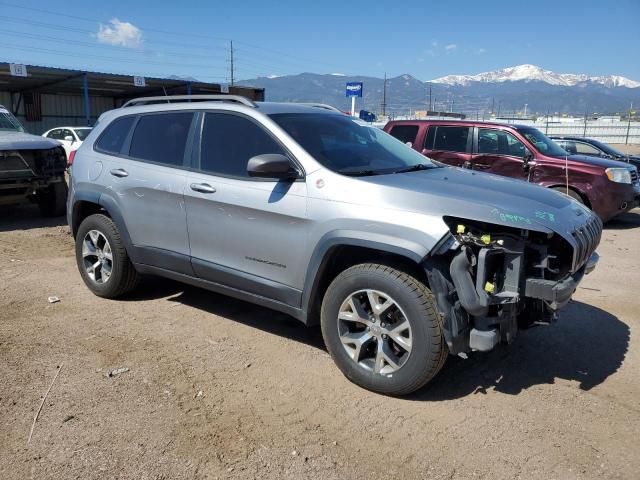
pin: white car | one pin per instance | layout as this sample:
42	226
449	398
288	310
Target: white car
70	137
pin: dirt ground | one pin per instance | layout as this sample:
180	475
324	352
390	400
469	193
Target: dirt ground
563	402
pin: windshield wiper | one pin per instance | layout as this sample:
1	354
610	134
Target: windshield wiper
414	168
358	173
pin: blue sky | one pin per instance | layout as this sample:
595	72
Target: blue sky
427	39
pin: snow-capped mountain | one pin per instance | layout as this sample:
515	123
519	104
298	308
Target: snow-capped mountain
529	73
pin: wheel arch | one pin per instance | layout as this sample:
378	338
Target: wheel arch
90	203
583	195
337	251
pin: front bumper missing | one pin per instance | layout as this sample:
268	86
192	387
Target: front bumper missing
558	293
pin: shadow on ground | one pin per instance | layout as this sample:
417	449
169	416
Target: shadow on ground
624	221
230	308
26	217
586	345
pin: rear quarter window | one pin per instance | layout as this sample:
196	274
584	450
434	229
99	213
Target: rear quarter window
405	133
113	137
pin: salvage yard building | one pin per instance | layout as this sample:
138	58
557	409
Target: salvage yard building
44	97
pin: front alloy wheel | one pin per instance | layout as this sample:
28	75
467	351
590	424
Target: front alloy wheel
374	331
382	329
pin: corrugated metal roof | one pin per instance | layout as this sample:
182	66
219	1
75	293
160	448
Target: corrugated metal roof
66	81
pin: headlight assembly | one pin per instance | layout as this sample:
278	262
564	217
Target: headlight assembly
619	175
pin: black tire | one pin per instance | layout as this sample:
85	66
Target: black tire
572	193
53	200
124	277
428	348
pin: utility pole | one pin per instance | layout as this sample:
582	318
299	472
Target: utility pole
430	102
232	72
626	142
384	95
584	133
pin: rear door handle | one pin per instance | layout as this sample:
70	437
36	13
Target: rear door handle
119	172
202	188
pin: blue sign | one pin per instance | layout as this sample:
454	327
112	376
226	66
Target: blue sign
354	89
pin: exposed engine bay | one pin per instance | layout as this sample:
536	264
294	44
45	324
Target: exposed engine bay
490	280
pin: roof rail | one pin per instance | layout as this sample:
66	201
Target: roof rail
189	98
322	105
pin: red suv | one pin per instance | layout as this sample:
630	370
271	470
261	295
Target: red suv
608	187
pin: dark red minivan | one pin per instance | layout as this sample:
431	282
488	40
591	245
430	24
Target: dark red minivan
608	187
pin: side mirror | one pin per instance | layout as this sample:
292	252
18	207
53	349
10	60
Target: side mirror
409	144
271	165
69	138
528	160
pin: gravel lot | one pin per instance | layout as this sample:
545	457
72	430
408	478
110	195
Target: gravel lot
563	402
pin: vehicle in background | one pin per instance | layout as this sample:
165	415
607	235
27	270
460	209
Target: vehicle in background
319	215
70	137
594	148
31	168
608	187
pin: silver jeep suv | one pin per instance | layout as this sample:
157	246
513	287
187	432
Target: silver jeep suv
305	210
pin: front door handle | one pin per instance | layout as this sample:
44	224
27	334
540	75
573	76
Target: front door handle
202	188
119	172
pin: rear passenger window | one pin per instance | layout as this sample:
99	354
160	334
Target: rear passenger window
451	139
405	133
229	141
113	137
161	138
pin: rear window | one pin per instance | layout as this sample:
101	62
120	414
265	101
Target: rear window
405	133
161	138
113	137
451	139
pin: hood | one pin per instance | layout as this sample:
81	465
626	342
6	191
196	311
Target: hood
25	141
600	162
483	197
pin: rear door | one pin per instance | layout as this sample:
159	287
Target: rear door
244	232
450	144
147	178
499	152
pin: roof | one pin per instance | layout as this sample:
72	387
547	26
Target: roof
66	81
459	122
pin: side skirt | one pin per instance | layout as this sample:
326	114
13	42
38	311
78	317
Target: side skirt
295	312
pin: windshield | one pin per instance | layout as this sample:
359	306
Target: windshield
543	143
82	133
9	123
349	146
608	149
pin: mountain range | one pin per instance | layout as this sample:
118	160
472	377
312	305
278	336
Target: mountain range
504	91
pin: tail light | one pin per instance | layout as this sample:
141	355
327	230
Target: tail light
72	156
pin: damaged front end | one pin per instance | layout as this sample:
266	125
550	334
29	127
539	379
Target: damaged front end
490	280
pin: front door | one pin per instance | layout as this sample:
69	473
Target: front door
244	232
449	144
501	153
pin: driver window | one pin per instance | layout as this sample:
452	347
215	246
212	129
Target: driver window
499	142
586	149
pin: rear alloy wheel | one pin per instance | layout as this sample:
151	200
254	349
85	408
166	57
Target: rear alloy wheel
97	256
381	328
102	258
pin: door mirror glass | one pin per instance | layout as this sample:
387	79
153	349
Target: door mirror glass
528	156
271	165
68	138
